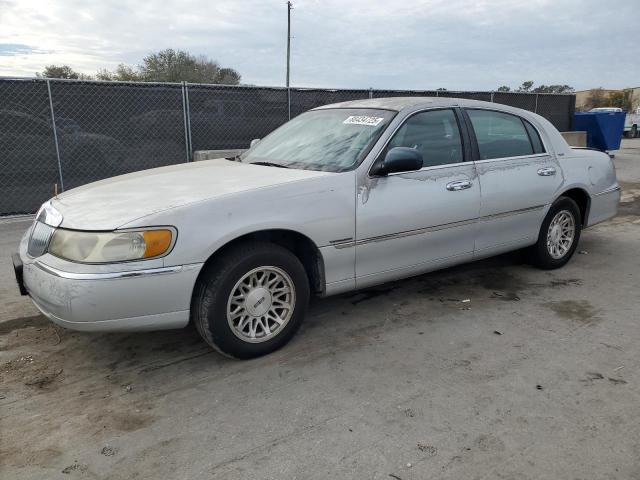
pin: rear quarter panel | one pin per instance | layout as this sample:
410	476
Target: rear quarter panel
593	172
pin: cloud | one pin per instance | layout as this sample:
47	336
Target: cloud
413	44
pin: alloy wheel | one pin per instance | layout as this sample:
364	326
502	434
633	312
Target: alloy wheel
561	233
260	304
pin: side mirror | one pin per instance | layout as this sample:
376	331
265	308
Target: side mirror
254	142
400	159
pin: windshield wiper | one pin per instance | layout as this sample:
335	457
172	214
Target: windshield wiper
269	164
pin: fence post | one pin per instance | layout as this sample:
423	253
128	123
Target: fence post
55	136
535	110
186	119
492	96
370	92
289	101
187	124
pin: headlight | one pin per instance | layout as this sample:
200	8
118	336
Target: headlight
108	247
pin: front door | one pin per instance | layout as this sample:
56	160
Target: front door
413	222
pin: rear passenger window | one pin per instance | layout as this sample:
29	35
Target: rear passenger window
435	134
499	134
535	138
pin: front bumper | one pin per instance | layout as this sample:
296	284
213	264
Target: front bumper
146	299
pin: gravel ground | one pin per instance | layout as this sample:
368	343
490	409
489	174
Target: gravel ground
536	377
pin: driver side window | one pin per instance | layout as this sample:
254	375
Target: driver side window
434	133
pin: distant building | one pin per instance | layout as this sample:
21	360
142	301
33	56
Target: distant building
582	97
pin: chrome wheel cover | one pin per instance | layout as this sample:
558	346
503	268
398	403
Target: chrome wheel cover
561	233
260	304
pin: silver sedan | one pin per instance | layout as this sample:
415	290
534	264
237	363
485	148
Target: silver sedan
342	197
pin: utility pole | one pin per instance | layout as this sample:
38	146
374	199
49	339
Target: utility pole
289	8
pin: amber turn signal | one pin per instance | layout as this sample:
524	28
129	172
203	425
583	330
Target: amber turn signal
157	242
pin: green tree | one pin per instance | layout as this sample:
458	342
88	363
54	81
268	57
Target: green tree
227	76
525	87
173	66
178	65
596	98
621	99
62	71
122	73
553	89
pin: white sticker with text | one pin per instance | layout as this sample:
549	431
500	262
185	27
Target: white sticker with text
363	120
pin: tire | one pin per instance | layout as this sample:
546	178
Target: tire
263	278
565	211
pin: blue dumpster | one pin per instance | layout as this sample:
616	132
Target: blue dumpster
604	129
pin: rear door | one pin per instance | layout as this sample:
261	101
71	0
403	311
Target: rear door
518	178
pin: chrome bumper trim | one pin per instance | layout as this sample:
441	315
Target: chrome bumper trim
110	275
608	190
407	233
511	212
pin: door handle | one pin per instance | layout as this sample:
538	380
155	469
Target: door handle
459	185
546	171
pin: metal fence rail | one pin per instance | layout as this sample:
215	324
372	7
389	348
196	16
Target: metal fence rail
65	133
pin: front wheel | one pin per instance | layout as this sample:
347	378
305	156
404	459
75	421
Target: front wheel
251	300
559	235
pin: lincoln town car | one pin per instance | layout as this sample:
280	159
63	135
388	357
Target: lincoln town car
342	197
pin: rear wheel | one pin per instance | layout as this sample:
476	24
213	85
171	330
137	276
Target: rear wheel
633	133
559	235
251	300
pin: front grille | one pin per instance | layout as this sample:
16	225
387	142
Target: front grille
39	239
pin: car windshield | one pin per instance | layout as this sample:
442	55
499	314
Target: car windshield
333	140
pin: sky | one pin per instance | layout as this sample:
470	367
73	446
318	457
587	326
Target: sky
410	44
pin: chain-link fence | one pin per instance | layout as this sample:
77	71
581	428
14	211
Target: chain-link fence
59	134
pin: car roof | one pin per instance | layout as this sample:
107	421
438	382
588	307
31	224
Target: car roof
401	103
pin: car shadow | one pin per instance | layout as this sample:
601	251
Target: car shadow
346	321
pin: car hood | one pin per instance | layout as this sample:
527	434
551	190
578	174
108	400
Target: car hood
111	203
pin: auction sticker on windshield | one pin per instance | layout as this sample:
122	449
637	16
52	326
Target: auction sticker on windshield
363	120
